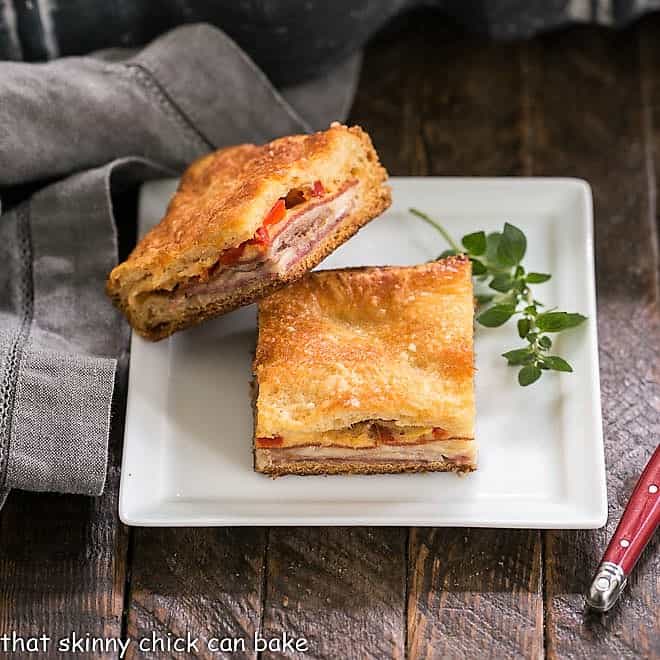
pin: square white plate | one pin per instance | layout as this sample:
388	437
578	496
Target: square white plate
188	441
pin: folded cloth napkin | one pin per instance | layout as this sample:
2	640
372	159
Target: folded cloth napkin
91	127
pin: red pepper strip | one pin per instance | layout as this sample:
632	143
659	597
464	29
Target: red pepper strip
275	441
261	236
276	213
318	189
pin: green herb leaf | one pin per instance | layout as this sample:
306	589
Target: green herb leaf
478	268
574	320
537	278
506	298
556	363
502	283
523	327
475	243
558	321
448	253
545	342
483	298
519	356
492	242
512	246
529	374
496	315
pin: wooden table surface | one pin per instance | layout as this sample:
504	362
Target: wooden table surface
583	102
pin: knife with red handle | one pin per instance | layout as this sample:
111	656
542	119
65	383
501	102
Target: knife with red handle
636	527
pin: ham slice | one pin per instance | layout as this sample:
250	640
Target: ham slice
460	452
292	240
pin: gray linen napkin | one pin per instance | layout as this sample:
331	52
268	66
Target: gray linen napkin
95	125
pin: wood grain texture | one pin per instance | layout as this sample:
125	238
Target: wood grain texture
475	593
386	100
343	589
206	582
471	592
588	119
63	559
649	36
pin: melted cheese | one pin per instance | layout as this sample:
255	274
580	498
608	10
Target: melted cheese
367	434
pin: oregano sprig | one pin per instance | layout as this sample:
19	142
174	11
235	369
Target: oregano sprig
497	261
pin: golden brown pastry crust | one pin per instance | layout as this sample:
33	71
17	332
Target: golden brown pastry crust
220	203
344	346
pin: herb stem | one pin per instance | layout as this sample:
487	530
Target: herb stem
445	234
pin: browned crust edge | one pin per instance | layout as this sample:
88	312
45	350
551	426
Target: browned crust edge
311	468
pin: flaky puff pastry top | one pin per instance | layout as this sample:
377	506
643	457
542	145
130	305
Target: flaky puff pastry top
224	197
343	346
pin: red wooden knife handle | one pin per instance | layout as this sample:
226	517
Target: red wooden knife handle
640	519
639	522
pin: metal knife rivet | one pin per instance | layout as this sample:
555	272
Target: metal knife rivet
624	543
603	583
653	488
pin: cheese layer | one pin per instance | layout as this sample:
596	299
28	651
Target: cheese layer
363	434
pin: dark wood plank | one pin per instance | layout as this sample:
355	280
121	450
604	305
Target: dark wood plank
437	103
386	101
470	112
63	559
588	120
343	589
206	582
475	593
649	31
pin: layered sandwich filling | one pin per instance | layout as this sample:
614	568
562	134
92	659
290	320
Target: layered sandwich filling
292	228
373	442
